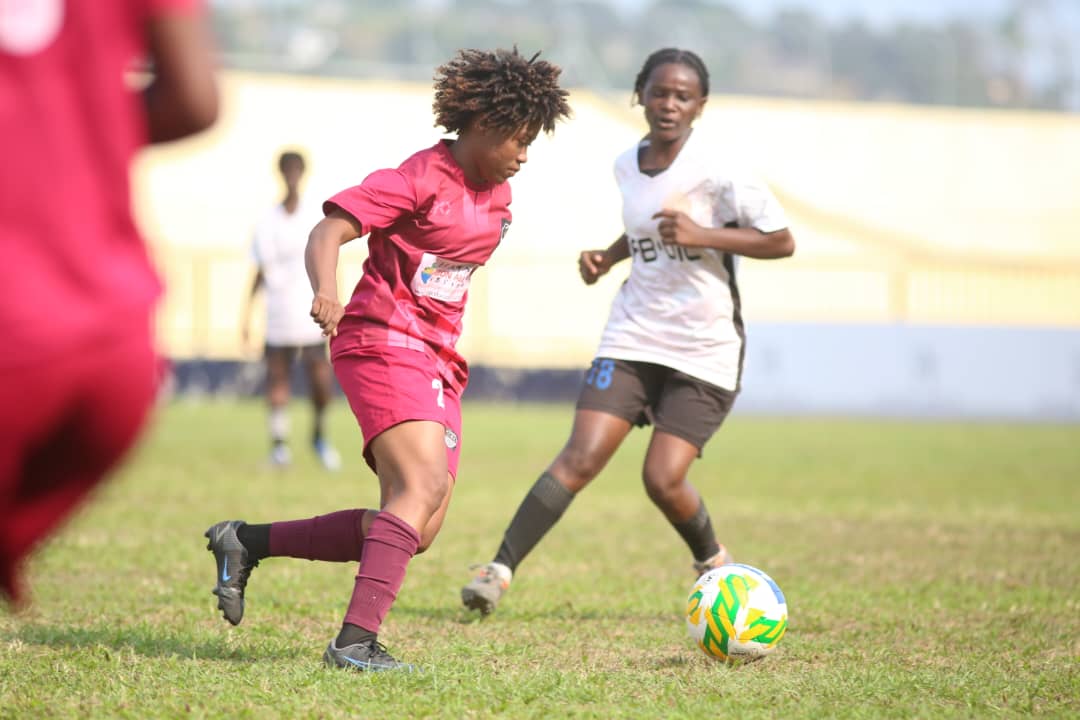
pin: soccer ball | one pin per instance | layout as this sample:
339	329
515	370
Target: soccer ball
736	613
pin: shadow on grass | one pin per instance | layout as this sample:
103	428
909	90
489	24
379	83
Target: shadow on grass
148	641
565	612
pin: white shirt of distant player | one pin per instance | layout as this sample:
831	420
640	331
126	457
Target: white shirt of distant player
679	307
278	249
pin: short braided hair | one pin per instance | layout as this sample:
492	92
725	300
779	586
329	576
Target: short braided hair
500	90
671	55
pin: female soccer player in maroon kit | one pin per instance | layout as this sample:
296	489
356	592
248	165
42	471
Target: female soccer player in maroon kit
432	222
78	371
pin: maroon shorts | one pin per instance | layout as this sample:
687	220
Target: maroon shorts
396	385
64	423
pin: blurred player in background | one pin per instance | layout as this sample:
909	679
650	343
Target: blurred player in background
672	351
78	371
278	249
433	221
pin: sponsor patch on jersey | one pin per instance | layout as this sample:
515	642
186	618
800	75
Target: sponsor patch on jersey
451	438
442	279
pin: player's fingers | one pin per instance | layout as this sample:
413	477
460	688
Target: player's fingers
332	322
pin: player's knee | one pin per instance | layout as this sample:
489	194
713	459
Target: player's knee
431	489
578	465
660	486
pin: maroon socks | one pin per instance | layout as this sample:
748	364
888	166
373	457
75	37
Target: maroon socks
383	555
337	537
387	549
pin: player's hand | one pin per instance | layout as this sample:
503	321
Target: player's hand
676	228
327	313
593	264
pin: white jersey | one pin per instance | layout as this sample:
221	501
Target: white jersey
278	248
680	306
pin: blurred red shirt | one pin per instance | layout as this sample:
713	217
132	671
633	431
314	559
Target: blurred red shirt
73	268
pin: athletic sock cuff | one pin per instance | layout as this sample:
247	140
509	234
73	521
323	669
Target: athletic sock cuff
389	529
551	493
695	522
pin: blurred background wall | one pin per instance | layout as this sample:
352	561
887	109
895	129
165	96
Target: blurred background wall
937	271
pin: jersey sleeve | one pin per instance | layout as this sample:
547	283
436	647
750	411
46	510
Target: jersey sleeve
382	199
755	205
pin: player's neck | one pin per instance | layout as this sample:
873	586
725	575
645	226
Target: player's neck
660	154
291	202
462	154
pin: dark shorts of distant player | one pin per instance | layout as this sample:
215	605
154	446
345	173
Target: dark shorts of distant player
645	393
308	353
395	385
64	424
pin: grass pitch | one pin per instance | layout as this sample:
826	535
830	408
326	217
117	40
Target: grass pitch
931	570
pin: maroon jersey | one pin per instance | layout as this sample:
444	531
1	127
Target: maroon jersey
430	229
72	265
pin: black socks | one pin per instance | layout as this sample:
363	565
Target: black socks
255	539
698	534
352	635
539	511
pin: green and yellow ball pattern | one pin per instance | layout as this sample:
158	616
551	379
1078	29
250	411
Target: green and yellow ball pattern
736	612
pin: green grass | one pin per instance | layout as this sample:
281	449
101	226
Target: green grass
931	570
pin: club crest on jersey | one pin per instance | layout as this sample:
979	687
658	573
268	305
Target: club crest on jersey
451	438
440	208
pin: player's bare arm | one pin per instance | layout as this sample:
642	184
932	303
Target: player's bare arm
245	323
182	98
321	260
677	228
593	264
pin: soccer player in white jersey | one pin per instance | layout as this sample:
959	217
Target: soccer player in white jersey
671	353
278	249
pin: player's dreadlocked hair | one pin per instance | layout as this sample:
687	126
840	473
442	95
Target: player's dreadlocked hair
501	90
671	55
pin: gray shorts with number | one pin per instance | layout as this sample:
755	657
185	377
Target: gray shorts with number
645	393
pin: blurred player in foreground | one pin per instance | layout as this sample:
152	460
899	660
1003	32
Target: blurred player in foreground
278	249
78	371
672	351
433	221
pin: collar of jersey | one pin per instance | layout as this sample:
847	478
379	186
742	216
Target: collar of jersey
674	162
